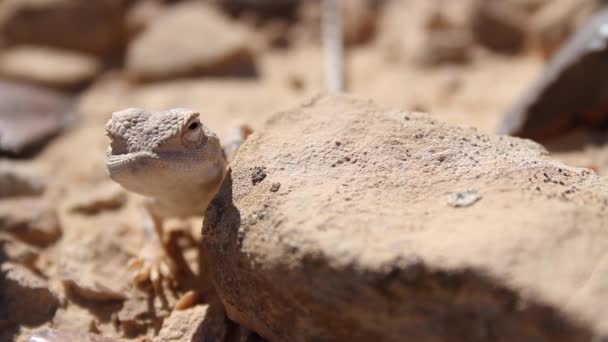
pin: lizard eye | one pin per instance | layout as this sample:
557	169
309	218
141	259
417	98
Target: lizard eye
194	125
193	135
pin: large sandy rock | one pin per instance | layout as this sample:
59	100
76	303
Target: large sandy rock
343	221
89	26
189	40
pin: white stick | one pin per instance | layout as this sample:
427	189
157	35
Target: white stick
334	46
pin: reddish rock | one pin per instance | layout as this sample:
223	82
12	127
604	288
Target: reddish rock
500	25
571	92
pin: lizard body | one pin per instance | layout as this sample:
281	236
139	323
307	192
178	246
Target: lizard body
174	161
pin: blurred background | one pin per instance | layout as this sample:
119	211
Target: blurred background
66	65
466	61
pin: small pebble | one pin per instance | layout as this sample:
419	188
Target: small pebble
463	199
275	187
259	174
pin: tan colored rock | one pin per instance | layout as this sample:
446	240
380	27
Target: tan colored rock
360	241
20	179
48	66
33	220
103	197
89	26
183	325
24	297
203	323
427	33
189	40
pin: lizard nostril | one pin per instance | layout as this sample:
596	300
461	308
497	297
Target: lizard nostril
118	145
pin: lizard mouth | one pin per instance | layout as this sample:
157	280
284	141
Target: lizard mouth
118	161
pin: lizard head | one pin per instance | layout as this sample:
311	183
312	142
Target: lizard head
162	154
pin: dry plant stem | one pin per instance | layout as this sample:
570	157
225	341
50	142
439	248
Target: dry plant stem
334	46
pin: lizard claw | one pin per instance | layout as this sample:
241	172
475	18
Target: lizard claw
154	267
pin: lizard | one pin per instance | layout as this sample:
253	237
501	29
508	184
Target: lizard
178	164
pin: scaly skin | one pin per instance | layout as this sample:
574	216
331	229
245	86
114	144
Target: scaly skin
173	160
169	157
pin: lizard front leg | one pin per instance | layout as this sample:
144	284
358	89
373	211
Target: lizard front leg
160	259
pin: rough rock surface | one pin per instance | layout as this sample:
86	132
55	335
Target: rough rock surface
203	323
48	67
165	49
88	26
360	241
31	115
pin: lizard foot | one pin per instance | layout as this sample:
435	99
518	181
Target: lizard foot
153	266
